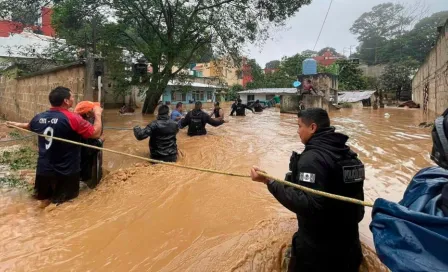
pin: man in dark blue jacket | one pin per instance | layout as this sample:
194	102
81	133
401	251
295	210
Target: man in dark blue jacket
59	163
328	236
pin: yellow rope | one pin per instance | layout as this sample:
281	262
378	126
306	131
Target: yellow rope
303	188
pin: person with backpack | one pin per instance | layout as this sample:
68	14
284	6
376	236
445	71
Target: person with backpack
196	120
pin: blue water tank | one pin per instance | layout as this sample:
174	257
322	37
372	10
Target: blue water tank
309	67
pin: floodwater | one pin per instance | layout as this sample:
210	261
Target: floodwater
159	218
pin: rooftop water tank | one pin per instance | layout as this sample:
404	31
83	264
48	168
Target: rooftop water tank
309	67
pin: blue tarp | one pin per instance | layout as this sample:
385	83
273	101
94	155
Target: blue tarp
412	236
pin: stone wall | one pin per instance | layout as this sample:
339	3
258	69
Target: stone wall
430	84
21	98
290	103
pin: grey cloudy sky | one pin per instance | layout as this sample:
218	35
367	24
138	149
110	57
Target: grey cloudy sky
302	30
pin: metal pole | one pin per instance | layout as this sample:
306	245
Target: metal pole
100	84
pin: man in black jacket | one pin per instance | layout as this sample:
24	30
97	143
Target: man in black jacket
328	237
162	133
197	119
240	108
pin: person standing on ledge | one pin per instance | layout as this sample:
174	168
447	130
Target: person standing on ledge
328	236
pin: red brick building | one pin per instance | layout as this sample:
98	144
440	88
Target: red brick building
43	26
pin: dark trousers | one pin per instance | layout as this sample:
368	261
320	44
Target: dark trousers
170	158
56	188
323	257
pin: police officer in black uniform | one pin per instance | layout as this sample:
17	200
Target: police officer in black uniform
197	119
328	237
240	108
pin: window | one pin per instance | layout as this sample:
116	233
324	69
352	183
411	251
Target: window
269	97
198	95
250	97
178	96
209	95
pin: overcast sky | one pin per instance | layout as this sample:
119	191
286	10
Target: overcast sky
302	30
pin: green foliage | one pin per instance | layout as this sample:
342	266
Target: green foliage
346	105
12	181
232	93
24	158
397	76
308	53
350	76
273	64
170	34
387	33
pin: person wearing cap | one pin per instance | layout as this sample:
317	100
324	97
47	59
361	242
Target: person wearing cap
240	108
91	159
59	163
196	120
162	136
217	112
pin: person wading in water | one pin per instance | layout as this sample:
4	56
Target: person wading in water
162	133
197	119
59	163
240	108
91	159
328	236
217	112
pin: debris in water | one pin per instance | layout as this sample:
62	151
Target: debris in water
386	115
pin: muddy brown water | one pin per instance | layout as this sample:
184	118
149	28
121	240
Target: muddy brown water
159	218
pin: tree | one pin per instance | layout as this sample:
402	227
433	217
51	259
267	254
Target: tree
397	76
384	20
308	53
380	30
232	94
350	76
422	37
170	34
273	64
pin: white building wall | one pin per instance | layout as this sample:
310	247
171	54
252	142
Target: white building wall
256	97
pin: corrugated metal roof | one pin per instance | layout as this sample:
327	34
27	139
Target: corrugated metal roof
354	96
192	84
270	91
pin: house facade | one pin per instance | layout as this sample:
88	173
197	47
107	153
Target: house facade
265	94
190	93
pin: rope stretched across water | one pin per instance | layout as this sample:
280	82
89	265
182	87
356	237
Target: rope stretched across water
303	188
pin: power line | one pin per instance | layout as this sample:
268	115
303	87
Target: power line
328	11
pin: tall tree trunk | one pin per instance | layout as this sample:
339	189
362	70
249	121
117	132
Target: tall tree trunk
156	88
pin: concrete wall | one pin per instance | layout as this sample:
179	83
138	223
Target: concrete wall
289	103
373	71
431	80
322	82
23	97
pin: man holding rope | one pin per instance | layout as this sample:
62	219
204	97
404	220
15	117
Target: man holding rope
58	164
328	236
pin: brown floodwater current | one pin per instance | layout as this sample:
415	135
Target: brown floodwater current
160	218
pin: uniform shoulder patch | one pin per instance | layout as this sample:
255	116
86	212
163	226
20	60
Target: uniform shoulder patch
353	173
307	177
